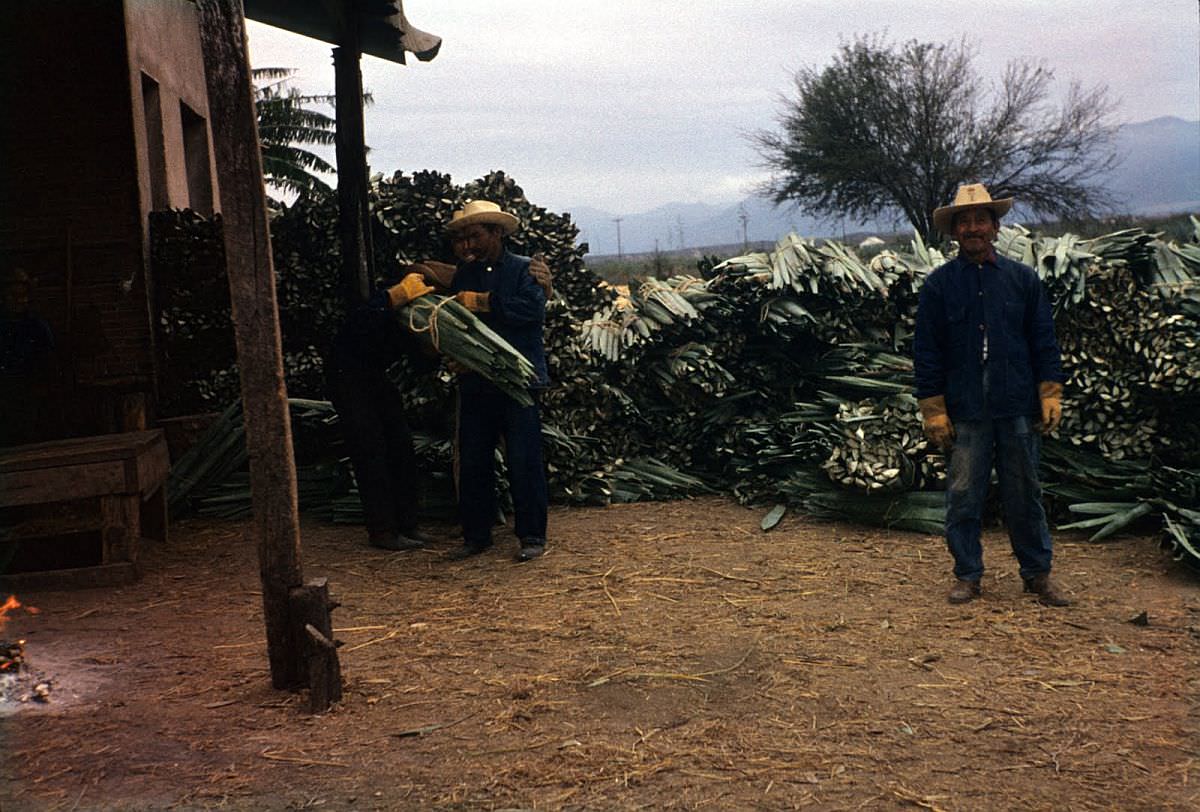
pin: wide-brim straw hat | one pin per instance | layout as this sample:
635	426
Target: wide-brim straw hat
483	211
969	196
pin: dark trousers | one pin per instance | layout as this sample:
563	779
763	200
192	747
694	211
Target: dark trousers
483	418
379	441
1012	445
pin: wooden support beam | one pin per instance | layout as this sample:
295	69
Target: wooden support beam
120	527
354	221
256	325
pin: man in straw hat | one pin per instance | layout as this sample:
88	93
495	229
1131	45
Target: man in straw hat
500	288
989	377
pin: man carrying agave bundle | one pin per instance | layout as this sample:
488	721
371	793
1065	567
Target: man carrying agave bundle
989	375
509	296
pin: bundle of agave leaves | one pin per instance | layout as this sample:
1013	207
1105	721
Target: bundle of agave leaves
804	396
784	378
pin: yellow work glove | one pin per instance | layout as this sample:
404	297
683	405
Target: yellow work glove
938	428
474	301
411	287
1050	393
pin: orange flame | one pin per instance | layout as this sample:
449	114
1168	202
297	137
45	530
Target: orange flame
11	603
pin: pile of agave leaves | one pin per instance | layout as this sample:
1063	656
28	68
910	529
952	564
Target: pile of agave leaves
784	378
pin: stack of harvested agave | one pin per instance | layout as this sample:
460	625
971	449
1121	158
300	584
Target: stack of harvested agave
784	377
815	329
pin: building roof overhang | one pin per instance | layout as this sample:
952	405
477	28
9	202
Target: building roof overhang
383	30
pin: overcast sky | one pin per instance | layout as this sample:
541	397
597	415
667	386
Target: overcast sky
624	105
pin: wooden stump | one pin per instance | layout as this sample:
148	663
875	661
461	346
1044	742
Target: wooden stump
312	628
324	671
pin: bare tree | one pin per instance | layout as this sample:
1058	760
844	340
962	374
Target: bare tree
887	130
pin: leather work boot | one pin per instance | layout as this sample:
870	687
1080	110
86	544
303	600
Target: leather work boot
1047	591
394	542
413	534
963	591
531	548
467	551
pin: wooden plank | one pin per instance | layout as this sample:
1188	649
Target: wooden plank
97	469
74	451
153	466
47	526
42	486
105	575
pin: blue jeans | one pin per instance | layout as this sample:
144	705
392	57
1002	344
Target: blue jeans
1013	444
483	418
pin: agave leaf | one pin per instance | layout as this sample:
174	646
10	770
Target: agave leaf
1122	521
773	516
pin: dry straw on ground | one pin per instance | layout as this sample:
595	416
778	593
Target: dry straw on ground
660	656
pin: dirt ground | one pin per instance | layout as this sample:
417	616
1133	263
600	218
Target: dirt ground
661	656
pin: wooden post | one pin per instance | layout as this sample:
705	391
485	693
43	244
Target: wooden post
256	325
120	527
324	672
313	629
354	223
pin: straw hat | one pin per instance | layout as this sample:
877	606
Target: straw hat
969	196
483	211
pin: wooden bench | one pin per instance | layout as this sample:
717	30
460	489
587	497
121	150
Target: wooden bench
126	472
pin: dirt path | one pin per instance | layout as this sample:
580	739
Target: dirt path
661	656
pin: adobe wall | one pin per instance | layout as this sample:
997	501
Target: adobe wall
71	214
164	45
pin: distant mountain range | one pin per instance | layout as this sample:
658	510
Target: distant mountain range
1160	174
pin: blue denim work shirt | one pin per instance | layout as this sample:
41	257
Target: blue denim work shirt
518	310
985	324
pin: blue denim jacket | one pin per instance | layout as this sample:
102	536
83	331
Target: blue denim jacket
961	304
518	310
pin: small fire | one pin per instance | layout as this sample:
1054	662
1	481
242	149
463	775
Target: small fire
9	605
12	655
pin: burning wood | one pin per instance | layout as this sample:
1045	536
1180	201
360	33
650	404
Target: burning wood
12	656
14	672
9	605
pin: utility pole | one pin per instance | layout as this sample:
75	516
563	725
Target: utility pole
745	218
618	220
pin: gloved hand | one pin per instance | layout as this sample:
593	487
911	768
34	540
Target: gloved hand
541	273
938	428
1050	393
474	301
410	287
